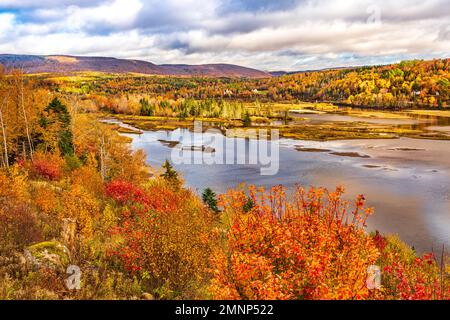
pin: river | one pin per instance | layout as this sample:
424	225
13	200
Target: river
406	180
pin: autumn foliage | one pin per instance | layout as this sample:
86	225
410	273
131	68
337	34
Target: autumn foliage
163	237
407	84
310	245
409	277
46	166
18	220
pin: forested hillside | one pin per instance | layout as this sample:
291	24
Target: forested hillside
410	84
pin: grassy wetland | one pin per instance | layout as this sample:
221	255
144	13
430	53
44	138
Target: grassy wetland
296	121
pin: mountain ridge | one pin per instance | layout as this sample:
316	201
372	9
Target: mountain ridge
71	63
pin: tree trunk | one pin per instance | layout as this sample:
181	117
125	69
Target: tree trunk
72	122
102	158
20	87
5	145
30	144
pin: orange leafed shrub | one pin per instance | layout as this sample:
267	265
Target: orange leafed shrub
307	246
81	205
18	220
88	177
46	198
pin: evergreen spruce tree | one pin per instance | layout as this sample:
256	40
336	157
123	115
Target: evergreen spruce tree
56	112
209	198
249	205
146	108
170	175
246	121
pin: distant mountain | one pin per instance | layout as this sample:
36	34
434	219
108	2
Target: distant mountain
278	73
68	64
284	73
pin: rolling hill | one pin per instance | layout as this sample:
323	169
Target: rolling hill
68	64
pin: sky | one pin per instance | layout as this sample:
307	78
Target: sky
273	35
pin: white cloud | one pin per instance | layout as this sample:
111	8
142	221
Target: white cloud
117	14
118	44
46	3
310	34
6	24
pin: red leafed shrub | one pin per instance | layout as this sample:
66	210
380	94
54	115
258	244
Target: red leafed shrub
380	241
155	198
163	237
46	166
125	192
409	277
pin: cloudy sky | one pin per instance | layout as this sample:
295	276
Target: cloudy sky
269	35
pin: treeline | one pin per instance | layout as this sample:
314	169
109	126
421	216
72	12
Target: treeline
146	105
408	84
35	122
185	108
30	121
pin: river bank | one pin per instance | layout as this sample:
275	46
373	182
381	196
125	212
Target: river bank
317	123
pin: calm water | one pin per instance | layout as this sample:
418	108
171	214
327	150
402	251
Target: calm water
407	181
